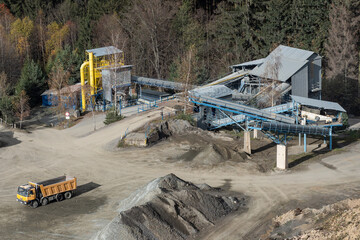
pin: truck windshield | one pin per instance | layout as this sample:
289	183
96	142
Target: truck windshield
22	192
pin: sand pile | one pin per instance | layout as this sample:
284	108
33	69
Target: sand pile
169	208
213	154
336	221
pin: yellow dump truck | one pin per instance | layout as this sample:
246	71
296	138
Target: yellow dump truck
58	189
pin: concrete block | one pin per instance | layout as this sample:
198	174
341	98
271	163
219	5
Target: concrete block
281	156
247	142
135	139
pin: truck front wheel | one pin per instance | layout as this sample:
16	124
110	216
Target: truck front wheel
35	204
68	195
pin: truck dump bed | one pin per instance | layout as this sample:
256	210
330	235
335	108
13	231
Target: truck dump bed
57	185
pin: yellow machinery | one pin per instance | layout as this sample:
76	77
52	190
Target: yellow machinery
90	70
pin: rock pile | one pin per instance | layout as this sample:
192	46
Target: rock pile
169	208
340	220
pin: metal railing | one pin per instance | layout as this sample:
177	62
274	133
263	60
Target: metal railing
154	104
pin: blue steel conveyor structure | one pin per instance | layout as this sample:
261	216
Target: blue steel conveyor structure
276	122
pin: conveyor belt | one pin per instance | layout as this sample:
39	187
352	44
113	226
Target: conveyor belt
292	128
242	109
159	83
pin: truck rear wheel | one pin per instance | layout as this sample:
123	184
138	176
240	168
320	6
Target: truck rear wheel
44	201
68	195
59	197
35	204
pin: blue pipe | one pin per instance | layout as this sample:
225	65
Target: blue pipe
330	144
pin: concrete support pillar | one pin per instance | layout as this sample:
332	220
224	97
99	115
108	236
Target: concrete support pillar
247	142
281	156
299	139
255	133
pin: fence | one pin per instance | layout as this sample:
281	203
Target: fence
154	104
104	107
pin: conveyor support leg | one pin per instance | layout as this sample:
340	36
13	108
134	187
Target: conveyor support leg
281	156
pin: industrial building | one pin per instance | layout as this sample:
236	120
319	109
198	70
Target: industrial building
285	71
279	95
70	97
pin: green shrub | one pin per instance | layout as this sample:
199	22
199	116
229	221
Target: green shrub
186	117
112	117
352	135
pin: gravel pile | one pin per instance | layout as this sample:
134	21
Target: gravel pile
340	220
169	208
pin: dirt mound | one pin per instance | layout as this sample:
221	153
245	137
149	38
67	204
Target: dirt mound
158	131
179	126
336	221
214	154
199	149
169	208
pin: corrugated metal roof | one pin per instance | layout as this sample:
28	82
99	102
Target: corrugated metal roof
216	91
250	63
64	90
294	53
318	103
116	67
290	59
98	52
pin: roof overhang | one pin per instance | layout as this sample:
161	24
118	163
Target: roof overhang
99	52
318	103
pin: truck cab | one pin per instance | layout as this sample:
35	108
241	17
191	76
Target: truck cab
26	194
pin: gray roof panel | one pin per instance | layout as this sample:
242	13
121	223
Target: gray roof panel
99	52
287	69
291	61
318	103
294	53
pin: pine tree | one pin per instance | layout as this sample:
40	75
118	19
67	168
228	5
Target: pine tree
32	81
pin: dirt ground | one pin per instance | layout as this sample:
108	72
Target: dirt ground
107	175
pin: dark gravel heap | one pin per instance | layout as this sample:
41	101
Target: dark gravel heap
176	210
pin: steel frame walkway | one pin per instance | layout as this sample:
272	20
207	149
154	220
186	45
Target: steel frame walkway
274	125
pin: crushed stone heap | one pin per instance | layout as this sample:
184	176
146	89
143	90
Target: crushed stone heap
169	208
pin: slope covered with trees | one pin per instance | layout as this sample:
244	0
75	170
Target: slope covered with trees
39	36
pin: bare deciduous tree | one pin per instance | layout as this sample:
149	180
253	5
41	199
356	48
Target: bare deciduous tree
271	75
342	47
269	94
59	79
187	72
22	107
87	89
148	25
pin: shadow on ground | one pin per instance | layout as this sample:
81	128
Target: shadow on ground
7	139
87	187
263	148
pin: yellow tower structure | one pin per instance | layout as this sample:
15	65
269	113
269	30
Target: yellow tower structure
90	70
